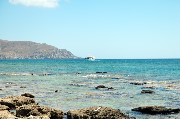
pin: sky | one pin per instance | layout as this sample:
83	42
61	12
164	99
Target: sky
106	29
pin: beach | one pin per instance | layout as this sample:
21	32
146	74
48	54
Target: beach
76	84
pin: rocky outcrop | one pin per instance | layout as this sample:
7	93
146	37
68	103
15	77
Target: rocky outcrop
36	110
25	107
156	110
14	101
96	113
31	50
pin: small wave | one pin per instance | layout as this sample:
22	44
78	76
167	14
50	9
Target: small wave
96	76
16	74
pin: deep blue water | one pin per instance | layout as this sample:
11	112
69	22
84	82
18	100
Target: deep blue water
76	80
154	69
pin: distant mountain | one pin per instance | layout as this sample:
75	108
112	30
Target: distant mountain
31	50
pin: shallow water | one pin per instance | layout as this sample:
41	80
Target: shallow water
76	80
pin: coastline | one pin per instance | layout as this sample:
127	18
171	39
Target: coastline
78	84
48	95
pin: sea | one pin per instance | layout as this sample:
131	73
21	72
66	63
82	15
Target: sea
69	84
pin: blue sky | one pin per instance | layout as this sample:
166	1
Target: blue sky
102	28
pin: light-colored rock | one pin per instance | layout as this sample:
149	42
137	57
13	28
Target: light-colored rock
96	113
5	114
36	110
13	101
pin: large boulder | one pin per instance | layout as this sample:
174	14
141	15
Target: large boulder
156	110
13	101
96	113
36	110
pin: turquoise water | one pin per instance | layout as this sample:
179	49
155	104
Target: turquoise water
76	80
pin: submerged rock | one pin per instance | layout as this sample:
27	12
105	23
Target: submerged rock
147	91
36	110
156	110
96	113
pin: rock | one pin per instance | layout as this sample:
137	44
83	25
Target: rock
4	107
110	88
156	110
14	101
115	78
28	95
147	91
36	110
138	83
149	87
96	113
5	114
103	87
0	89
22	86
98	72
56	91
100	86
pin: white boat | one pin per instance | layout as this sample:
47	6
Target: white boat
90	58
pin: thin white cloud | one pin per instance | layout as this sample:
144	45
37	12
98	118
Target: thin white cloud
37	3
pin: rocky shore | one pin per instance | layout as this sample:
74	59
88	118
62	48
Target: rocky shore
96	99
25	107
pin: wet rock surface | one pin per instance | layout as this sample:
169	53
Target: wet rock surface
96	113
156	110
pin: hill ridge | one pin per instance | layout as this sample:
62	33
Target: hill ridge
31	50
